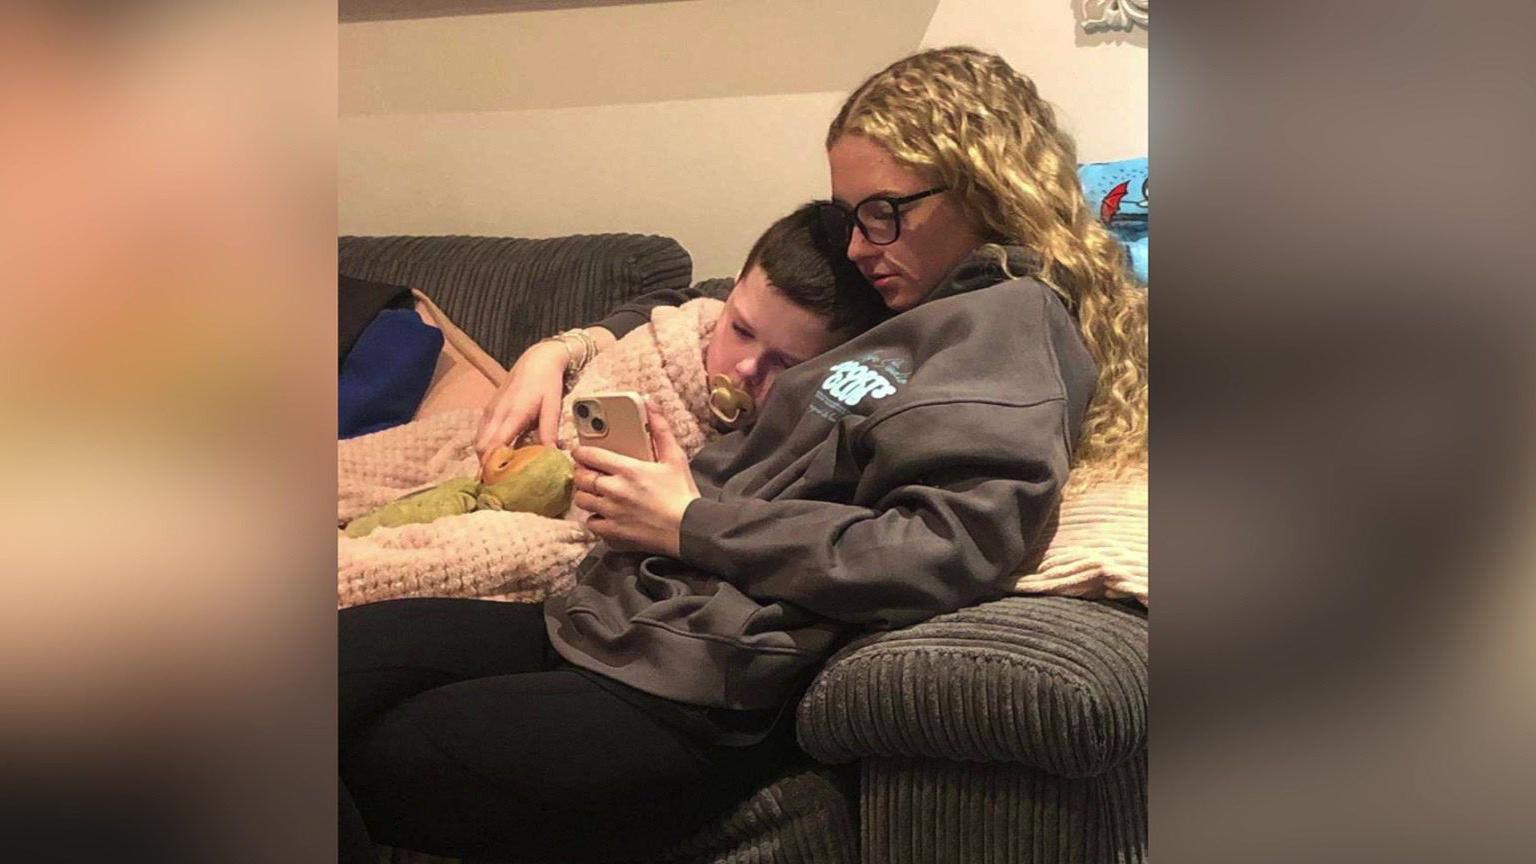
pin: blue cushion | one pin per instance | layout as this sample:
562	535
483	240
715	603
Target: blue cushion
386	374
1119	195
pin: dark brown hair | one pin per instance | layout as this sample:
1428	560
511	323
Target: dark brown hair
810	273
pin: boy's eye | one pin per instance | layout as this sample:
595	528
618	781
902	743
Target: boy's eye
741	331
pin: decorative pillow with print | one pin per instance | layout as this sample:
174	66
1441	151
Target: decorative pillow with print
1120	195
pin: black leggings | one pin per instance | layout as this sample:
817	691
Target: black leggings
462	733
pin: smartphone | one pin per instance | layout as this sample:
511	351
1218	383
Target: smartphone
614	421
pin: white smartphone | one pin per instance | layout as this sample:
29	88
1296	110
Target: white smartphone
615	421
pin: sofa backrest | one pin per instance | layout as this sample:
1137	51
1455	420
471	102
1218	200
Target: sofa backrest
507	293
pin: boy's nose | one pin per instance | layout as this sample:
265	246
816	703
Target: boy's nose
746	370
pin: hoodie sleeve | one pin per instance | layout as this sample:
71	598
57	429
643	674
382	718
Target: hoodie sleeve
636	312
960	492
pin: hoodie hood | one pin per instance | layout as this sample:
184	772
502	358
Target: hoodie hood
988	265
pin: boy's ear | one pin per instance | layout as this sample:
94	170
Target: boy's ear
841	334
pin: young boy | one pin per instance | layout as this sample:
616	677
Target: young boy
794	299
706	365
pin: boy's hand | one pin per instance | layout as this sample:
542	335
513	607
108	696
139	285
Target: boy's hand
637	505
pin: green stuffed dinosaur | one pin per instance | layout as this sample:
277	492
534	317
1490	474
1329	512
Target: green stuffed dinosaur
531	479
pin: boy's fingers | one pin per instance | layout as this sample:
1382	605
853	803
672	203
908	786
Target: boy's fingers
604	461
667	448
593	504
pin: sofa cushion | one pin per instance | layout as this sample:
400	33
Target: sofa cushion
1098	543
507	293
1054	683
923	810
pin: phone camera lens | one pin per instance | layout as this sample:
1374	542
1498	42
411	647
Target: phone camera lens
598	425
583	410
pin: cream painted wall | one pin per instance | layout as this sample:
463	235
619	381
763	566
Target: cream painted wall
712	173
608	55
484	124
1098	82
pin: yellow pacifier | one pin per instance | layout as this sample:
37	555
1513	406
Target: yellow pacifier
731	405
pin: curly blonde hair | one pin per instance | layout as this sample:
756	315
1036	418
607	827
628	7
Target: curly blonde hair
966	116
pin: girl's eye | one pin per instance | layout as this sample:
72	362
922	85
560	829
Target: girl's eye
741	331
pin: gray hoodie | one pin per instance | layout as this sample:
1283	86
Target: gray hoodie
903	474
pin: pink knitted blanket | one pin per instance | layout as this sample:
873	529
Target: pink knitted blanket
493	554
1098	543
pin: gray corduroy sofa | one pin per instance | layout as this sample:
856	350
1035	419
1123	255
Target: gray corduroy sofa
1013	731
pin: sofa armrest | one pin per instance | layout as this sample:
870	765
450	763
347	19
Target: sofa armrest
1055	683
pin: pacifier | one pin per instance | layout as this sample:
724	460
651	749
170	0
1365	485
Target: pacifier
731	405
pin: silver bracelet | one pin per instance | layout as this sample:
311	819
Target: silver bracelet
574	365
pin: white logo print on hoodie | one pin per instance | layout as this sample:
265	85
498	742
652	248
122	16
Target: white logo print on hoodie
851	381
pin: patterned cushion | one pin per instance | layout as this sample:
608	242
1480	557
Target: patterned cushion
1120	195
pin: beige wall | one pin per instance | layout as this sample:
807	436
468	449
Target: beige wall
710	172
694	119
1097	82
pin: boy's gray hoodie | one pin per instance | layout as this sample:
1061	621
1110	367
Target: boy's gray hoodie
903	474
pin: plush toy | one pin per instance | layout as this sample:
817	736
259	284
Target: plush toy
531	479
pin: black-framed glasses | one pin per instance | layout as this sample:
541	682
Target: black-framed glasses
878	217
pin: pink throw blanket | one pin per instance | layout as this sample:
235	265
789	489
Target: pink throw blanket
492	554
1097	546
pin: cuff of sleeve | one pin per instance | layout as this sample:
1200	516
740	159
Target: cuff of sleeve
704	523
621	322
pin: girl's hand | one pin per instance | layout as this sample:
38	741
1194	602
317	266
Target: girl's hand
530	395
637	505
